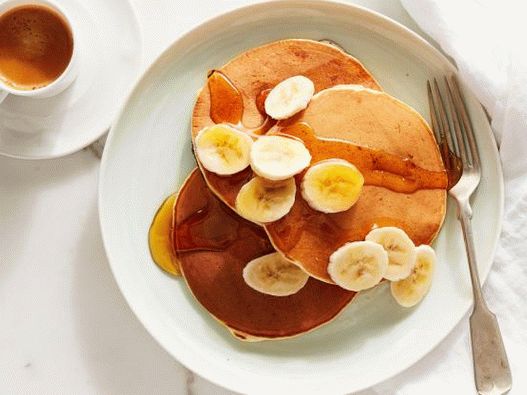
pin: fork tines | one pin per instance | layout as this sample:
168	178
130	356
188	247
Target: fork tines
452	128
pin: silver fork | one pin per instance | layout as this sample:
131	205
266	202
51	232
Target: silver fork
455	136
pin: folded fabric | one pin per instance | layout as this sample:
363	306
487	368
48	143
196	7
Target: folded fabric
486	40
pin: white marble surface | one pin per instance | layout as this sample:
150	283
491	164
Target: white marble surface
64	326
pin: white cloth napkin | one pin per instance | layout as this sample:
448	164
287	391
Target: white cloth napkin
486	38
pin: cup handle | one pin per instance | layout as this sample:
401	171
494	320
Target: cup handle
3	95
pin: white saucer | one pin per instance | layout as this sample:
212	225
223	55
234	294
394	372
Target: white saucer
110	58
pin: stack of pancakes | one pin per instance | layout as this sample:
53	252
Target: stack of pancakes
215	243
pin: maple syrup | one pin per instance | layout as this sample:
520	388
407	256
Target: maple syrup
160	237
203	223
379	168
226	101
226	104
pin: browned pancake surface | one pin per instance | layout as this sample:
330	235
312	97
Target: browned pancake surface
218	245
263	67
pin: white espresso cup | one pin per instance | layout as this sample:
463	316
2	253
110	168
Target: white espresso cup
68	75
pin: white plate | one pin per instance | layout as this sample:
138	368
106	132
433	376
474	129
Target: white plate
148	154
109	55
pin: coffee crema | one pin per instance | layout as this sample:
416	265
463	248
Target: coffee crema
36	46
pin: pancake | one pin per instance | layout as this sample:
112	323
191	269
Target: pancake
372	119
213	245
263	67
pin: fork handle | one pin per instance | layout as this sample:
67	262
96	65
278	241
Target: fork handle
491	366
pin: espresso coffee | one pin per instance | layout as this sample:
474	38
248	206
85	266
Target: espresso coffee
36	46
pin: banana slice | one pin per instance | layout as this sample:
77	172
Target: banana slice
278	158
400	248
332	185
290	96
273	275
222	149
358	265
264	201
411	290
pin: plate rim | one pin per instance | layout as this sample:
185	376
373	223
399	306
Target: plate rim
133	84
203	26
